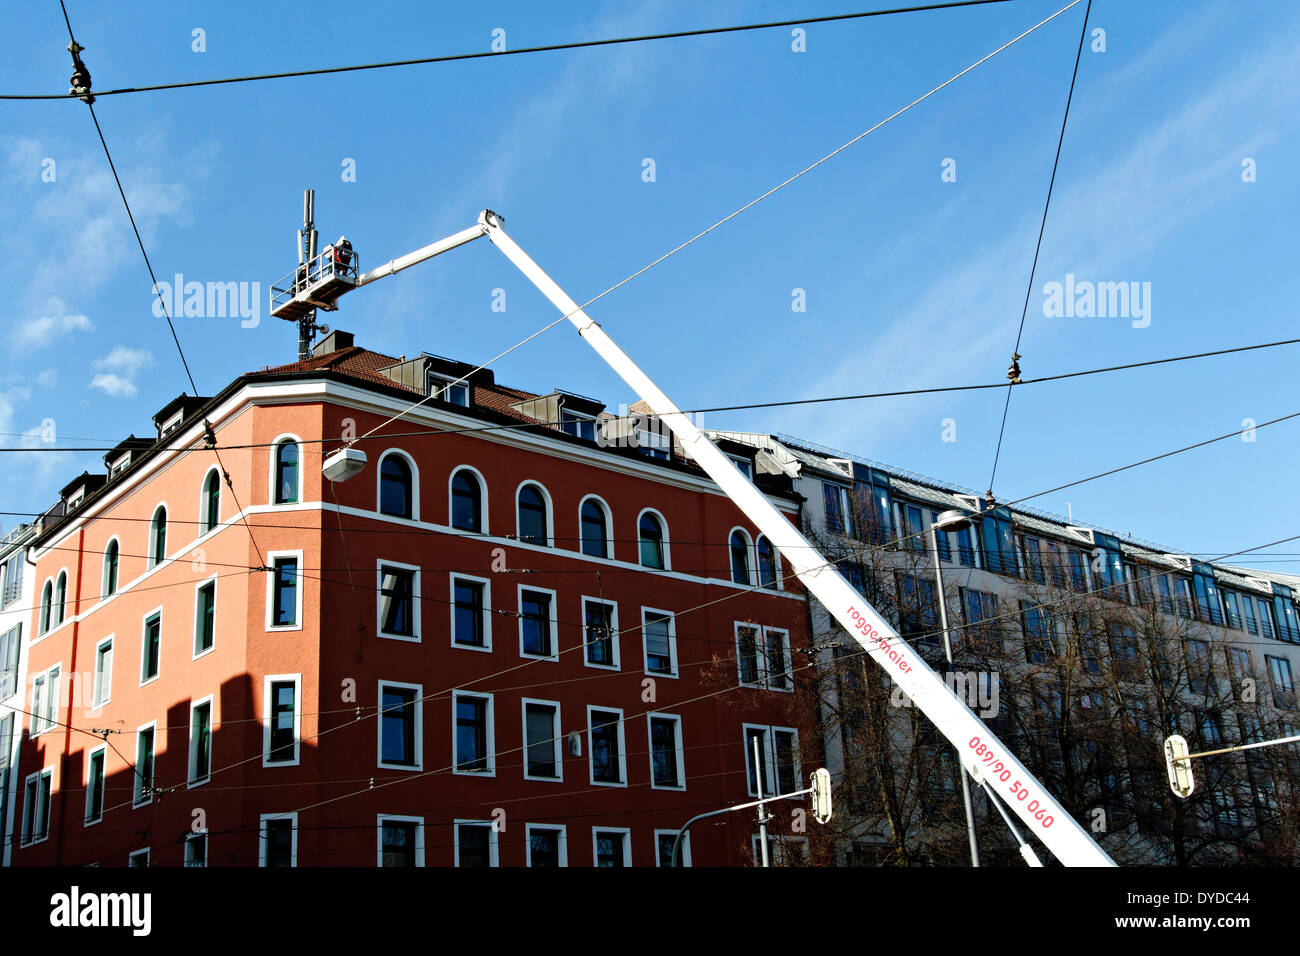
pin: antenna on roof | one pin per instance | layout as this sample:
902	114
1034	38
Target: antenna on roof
321	277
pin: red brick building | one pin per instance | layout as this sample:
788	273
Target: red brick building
510	640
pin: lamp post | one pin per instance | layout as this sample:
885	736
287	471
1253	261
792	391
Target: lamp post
955	521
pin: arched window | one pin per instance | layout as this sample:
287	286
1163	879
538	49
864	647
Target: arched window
158	536
60	598
740	557
467	501
111	554
595	529
532	516
395	486
211	504
286	472
47	598
768	565
650	532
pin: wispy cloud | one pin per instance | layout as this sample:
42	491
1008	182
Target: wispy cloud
41	330
121	366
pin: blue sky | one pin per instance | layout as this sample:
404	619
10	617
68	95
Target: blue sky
909	281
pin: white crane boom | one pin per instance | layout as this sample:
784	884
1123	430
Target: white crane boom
981	752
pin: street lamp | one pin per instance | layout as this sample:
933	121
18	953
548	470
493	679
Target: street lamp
954	520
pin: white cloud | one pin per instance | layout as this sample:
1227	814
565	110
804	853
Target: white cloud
36	332
48	378
114	385
128	361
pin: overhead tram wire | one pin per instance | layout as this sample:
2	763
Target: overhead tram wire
90	105
488	54
1038	246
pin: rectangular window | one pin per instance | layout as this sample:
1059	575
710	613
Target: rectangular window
611	847
144	748
400	730
579	426
36	806
45	700
469	622
449	390
997	541
983	634
1248	612
283	602
658	633
664	842
95	786
666	752
778	759
279	840
10	642
281	720
138	858
836	498
200	742
748	662
1109	566
1208	607
1242	666
1265	618
1284	614
915	523
605	745
1125	653
205	617
536	623
1232	609
965	548
151	647
1040	633
542	758
1033	551
918	613
399	601
1077	567
196	849
600	632
476	843
1200	675
941	538
103	687
777	665
473	742
1279	675
401	841
546	846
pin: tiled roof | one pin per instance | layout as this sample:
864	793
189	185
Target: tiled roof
353	362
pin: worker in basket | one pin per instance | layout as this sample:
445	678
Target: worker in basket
341	253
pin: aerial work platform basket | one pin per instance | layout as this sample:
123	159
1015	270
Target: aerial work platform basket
315	284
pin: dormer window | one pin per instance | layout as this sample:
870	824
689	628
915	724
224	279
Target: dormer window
119	466
579	426
449	390
654	439
744	464
171	425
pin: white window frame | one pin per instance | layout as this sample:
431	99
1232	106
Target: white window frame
101	691
416	601
102	750
144	631
398	818
263	841
130	859
751	558
490	715
419	725
204	531
493	847
767	661
673	669
415	485
663	526
45	704
627	844
487	611
42	812
760	656
550	514
268	718
613	635
557	738
769	755
270	480
622	748
482	500
679	749
299	587
776	560
562	844
137	785
192	782
609	527
686	845
152	560
103	569
555	623
207	847
442	387
195	653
